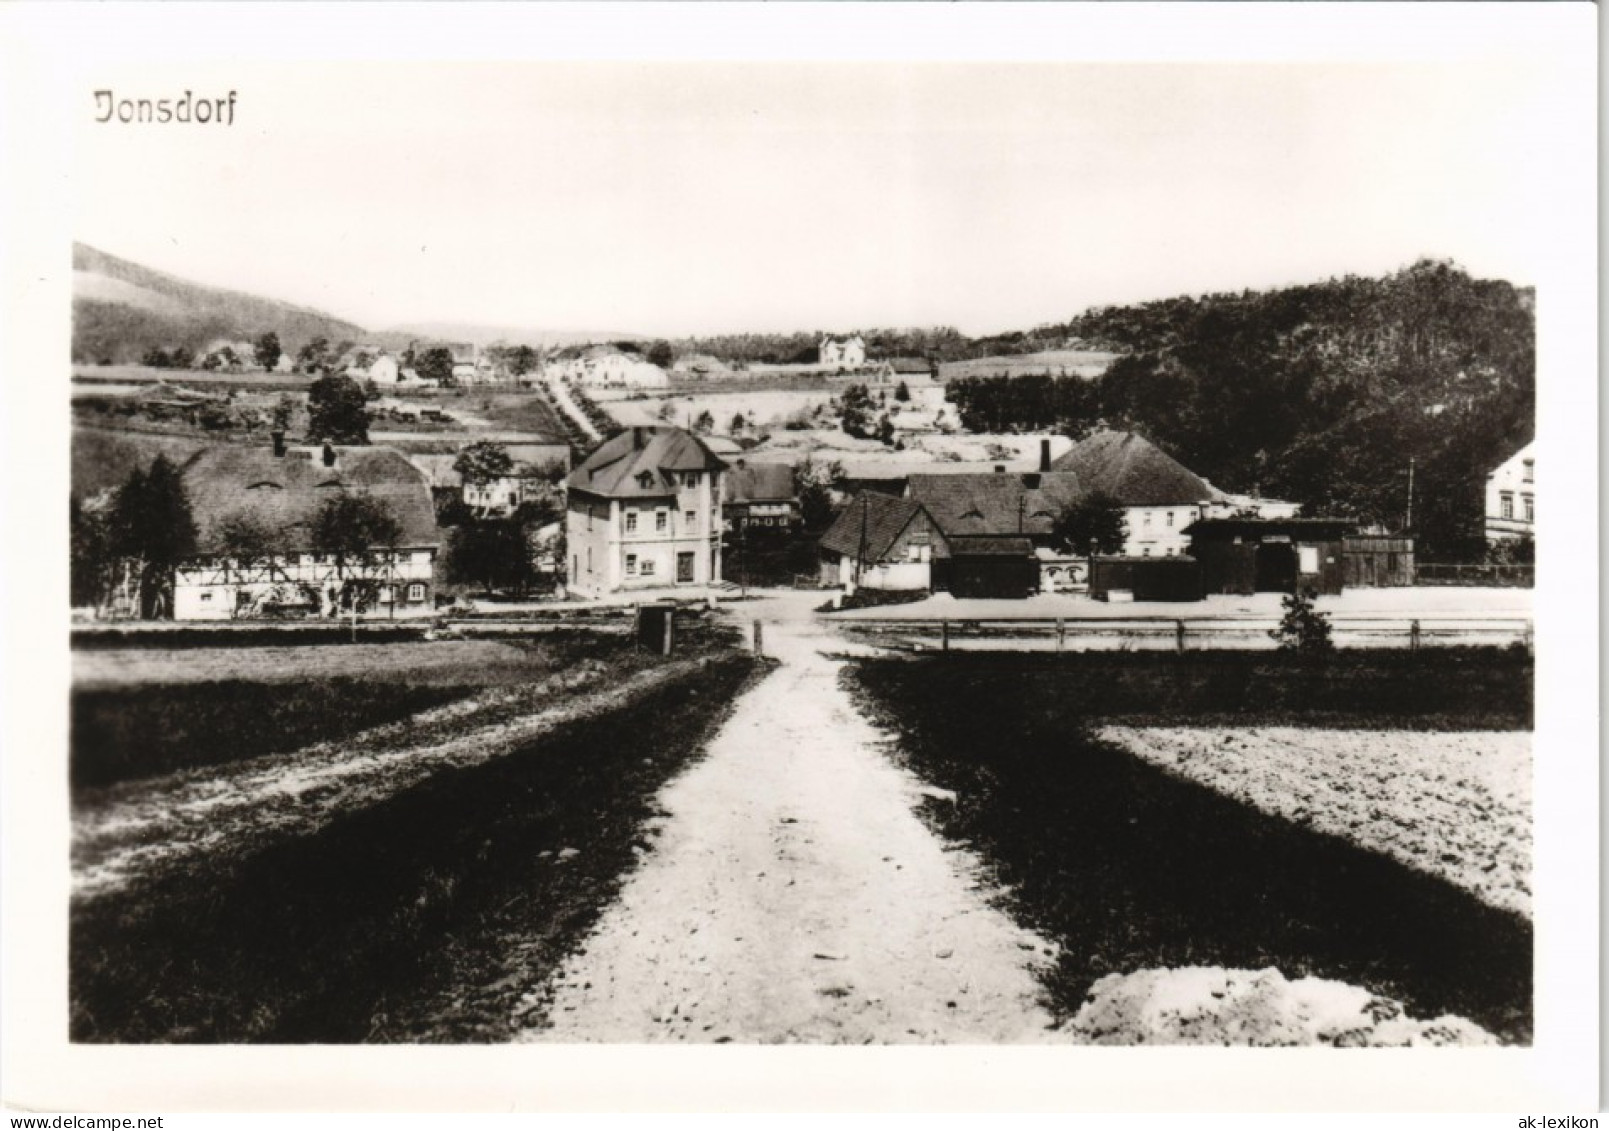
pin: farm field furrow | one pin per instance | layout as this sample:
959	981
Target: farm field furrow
1457	806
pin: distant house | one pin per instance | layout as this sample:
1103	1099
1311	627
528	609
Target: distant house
644	511
847	354
385	370
537	462
607	367
278	492
1511	497
1160	496
760	495
881	542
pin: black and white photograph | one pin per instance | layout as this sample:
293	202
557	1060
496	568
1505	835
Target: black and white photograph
1009	553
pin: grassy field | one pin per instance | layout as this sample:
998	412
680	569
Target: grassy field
1128	866
430	914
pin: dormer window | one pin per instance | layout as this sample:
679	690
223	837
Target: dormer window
266	484
645	479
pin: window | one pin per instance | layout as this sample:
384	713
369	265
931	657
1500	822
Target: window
1530	471
1307	559
631	564
661	521
1530	507
1507	504
647	567
691	518
1147	519
206	594
1169	517
631	522
416	592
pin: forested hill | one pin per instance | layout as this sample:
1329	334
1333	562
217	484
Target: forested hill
121	310
1323	393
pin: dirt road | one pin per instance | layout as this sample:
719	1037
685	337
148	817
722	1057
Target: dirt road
794	896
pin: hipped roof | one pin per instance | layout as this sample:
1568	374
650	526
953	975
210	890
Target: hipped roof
1134	471
760	483
1000	503
636	463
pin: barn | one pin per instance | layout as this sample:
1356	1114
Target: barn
988	566
1378	561
1266	555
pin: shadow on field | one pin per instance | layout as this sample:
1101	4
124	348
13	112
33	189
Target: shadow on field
1128	867
427	917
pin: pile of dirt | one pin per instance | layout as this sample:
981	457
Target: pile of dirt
1211	1005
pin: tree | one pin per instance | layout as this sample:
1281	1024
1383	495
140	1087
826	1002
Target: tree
284	412
661	354
153	532
1093	525
247	539
337	411
357	532
435	364
885	429
738	423
1303	628
267	349
181	358
484	462
522	360
667	412
855	410
314	357
902	392
90	564
495	553
815	484
704	424
156	358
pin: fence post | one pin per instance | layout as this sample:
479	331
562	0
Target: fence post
1178	636
759	639
1529	636
1061	634
944	635
1413	635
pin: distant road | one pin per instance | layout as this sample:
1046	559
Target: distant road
561	397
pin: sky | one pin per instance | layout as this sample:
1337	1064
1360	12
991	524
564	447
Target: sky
684	198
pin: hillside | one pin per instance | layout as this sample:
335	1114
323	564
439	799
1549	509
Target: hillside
1320	393
484	335
121	310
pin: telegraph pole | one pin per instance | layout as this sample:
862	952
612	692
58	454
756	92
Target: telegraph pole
1410	495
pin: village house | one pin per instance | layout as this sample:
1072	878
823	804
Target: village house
1511	497
606	367
760	495
1159	495
538	463
644	511
881	542
278	492
847	354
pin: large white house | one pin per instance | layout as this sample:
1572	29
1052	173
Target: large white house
607	367
644	511
1511	497
1160	496
847	354
277	494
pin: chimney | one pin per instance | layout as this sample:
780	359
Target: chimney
329	456
636	437
279	443
1044	453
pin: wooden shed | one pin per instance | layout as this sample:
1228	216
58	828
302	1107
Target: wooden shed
1148	579
1378	561
988	566
1272	555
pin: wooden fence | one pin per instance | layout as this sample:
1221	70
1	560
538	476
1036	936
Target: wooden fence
1512	576
1179	634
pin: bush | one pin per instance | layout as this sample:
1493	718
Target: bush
1303	628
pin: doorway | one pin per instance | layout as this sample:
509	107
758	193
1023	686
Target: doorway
684	568
1276	568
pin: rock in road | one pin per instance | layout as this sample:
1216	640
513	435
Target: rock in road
792	894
